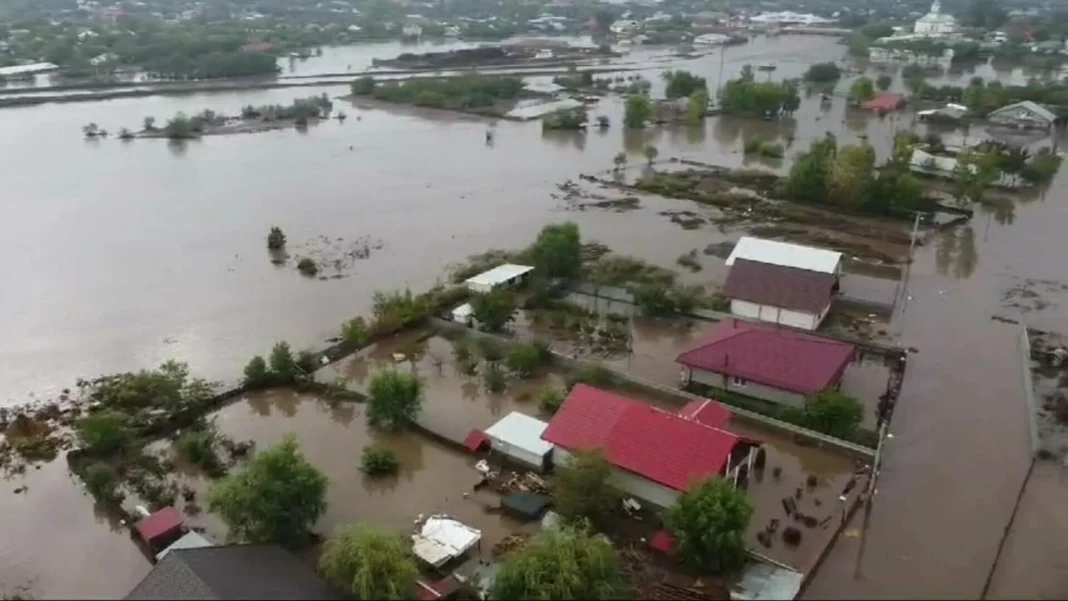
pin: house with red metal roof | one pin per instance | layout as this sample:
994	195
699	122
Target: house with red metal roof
656	455
774	364
884	102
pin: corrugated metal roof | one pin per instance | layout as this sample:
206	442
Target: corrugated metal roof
766	582
522	431
1034	107
498	275
785	254
442	539
533	111
31	68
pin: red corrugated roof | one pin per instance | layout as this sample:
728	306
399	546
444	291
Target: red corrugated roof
657	445
771	356
163	523
779	286
884	101
474	441
707	412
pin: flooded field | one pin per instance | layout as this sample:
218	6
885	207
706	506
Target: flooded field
433	479
173	266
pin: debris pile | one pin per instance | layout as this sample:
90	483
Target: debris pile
527	482
510	543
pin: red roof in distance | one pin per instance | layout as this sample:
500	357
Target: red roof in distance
774	357
663	447
884	102
160	525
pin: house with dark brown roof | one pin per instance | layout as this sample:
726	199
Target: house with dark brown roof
232	572
782	283
773	364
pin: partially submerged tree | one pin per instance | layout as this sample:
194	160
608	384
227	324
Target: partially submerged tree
583	491
256	373
619	161
378	460
276	239
104	432
369	565
638	109
523	359
308	266
833	413
394	400
558	251
650	152
708	523
561	564
278	497
883	82
494	309
862	89
283	366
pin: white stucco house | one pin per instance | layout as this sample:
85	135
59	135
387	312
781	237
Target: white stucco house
936	23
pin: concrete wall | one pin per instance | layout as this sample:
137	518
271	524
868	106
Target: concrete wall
630	484
523	456
760	391
770	314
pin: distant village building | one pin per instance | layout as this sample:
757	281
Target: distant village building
1023	115
764	362
789	18
257	47
412	30
884	102
624	27
935	23
782	283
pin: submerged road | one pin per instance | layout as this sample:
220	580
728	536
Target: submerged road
960	448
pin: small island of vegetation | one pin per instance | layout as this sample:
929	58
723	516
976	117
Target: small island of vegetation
479	94
300	113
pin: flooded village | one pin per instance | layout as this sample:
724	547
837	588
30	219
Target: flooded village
706	317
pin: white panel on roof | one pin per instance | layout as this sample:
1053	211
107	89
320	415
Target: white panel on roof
785	254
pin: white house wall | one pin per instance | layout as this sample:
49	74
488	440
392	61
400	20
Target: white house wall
753	389
628	483
770	314
522	455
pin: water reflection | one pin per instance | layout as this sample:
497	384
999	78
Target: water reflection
565	139
956	253
178	148
635	140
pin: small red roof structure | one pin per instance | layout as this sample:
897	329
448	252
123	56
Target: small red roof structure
663	447
707	412
475	440
780	286
663	541
884	102
160	527
780	358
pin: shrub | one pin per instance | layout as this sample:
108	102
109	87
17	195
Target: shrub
395	399
276	240
308	266
523	359
379	461
494	377
256	373
355	331
595	375
307	361
104	432
491	350
198	448
102	481
550	399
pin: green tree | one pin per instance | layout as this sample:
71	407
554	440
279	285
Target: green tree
180	127
974	173
557	252
638	109
823	73
862	89
833	413
493	376
809	178
876	30
276	239
378	460
256	373
523	359
550	399
561	564
884	81
850	174
150	124
708	523
494	309
102	481
277	498
355	331
619	161
697	107
283	365
369	565
394	400
104	432
681	84
650	152
583	491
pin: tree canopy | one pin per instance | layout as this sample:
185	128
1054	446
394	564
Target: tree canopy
369	564
637	110
833	413
823	73
745	95
582	489
557	252
681	84
559	564
494	309
709	523
862	89
394	400
278	497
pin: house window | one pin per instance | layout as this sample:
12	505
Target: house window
739	382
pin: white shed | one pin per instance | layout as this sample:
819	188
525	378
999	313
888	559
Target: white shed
786	255
463	314
503	275
518	436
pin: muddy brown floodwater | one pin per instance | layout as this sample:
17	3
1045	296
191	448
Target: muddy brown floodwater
121	255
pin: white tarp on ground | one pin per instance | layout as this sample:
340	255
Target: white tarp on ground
442	539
